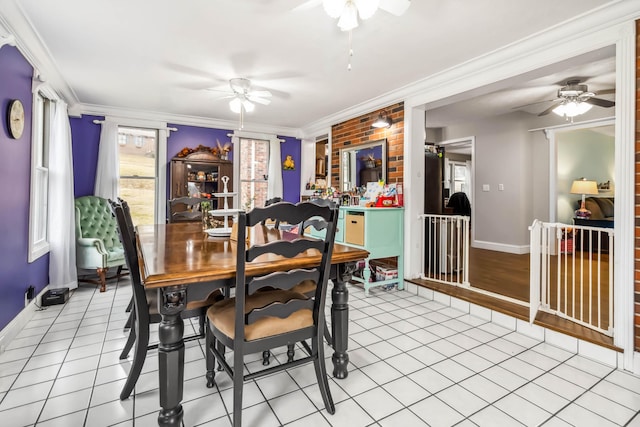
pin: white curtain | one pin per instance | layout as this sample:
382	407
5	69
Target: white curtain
274	185
62	242
107	174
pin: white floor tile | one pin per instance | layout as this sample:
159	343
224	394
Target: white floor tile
492	417
378	403
522	410
292	406
65	404
436	413
461	400
406	391
578	416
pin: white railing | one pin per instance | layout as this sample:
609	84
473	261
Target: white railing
445	248
572	273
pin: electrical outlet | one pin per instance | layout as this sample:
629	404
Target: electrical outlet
31	293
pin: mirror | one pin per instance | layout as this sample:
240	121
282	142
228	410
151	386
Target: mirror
363	163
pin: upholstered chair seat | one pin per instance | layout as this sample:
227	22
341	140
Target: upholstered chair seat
98	245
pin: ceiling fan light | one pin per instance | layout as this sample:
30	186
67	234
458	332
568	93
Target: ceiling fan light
235	105
366	8
572	108
248	106
349	18
334	8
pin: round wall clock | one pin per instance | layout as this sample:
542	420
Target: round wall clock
15	118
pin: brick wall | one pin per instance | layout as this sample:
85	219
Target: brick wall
637	200
359	131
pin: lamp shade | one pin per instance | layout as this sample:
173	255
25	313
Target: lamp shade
582	186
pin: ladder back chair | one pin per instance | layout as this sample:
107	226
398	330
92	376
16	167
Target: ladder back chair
145	303
265	313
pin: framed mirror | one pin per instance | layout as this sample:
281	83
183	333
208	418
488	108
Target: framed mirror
363	163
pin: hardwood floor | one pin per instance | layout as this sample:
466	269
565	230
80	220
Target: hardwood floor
508	274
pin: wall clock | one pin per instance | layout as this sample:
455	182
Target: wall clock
15	118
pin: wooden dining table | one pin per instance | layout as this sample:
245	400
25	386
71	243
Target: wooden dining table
185	264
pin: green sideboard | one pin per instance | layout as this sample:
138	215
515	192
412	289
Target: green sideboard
380	231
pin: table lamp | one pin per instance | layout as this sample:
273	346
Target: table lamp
584	187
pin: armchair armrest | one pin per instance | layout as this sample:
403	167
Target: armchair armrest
90	253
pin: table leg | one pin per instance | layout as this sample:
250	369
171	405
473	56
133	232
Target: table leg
340	319
172	302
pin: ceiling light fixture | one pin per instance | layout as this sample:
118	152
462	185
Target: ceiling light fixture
571	108
348	11
383	121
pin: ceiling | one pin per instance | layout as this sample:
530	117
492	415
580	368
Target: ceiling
125	55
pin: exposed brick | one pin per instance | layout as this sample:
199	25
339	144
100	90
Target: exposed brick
359	131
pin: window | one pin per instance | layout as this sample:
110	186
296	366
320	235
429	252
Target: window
41	124
254	172
137	148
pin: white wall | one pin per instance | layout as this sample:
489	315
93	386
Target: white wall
582	153
503	155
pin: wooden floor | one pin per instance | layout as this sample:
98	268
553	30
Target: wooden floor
508	274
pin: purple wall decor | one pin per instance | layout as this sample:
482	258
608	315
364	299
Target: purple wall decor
16	273
85	137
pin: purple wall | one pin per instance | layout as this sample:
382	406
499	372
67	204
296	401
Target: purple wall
85	136
291	178
16	274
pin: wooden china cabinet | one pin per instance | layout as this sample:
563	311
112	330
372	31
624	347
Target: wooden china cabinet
198	172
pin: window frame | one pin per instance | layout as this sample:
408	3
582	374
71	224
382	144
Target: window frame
43	108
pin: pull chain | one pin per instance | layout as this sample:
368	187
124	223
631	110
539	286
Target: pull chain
350	50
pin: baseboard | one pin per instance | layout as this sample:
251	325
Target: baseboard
18	323
501	247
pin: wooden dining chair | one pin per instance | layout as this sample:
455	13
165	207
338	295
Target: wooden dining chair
145	303
307	287
265	313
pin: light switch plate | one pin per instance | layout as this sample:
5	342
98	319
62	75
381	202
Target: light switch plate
485	187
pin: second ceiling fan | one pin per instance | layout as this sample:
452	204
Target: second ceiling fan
575	98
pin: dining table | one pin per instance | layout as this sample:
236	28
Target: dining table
184	264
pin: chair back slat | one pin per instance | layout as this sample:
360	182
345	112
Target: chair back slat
183	209
285	248
285	212
282	280
278	309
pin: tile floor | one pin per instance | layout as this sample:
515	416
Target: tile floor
413	362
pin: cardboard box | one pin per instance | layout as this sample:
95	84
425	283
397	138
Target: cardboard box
385	272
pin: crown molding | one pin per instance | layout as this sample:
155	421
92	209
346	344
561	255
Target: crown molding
101	110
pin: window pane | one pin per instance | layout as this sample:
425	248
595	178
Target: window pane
254	194
137	162
254	158
140	195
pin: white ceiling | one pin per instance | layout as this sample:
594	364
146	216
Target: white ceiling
161	55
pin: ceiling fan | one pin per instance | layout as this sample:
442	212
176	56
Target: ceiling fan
348	11
575	98
243	98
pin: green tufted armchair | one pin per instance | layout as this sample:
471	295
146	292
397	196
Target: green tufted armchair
98	244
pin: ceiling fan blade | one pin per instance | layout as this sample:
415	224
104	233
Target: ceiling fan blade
600	102
395	7
260	93
550	109
258	100
533	103
307	5
606	92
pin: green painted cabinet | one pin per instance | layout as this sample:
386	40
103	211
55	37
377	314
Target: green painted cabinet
380	231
